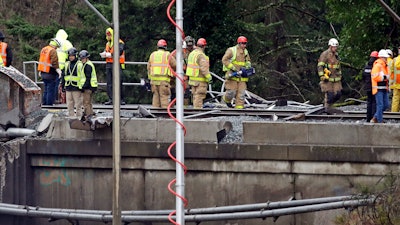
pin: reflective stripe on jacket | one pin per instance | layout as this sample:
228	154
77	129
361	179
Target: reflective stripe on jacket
93	76
3	52
158	66
45	60
121	57
379	70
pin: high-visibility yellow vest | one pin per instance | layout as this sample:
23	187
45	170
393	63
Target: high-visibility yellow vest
93	77
73	77
159	70
193	69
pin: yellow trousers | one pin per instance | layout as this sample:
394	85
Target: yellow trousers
395	100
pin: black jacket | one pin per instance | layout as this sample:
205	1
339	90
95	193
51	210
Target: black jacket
366	75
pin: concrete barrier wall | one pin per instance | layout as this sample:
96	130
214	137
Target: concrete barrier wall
78	174
318	133
140	129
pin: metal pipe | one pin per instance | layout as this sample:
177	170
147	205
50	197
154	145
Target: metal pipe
180	139
202	114
389	10
98	13
189	218
211	210
116	89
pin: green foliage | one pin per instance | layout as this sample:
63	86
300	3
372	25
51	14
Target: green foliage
385	211
285	37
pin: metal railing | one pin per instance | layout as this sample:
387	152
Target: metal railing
36	74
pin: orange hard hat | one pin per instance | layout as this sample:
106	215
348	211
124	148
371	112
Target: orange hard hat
162	43
374	54
242	39
201	42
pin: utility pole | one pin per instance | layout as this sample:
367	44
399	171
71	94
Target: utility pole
180	150
116	209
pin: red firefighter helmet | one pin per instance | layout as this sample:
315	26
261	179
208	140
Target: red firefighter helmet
374	54
201	42
161	43
242	39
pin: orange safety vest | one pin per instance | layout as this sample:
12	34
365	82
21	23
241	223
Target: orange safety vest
3	52
379	69
44	60
121	57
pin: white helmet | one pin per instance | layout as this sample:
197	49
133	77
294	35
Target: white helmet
333	42
383	53
389	52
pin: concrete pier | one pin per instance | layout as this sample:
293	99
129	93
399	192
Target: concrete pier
275	162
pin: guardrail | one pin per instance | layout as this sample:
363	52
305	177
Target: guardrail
36	74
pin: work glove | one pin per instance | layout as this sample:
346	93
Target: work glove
232	67
248	65
108	55
385	77
103	54
209	78
58	72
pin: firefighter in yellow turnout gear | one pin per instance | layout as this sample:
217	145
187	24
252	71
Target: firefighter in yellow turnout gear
233	60
198	71
160	75
394	67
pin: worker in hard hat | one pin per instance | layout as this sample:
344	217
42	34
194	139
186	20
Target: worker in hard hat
5	51
160	74
198	71
330	74
366	75
62	53
89	83
108	55
71	84
49	70
187	47
394	82
233	60
380	75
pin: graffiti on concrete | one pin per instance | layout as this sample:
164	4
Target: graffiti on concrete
54	175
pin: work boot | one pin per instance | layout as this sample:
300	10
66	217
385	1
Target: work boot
373	120
108	103
228	103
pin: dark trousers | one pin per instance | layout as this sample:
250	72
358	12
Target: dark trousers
109	77
371	105
49	91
